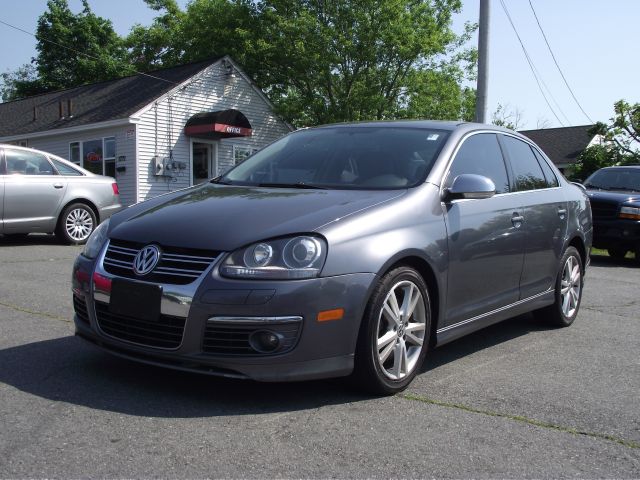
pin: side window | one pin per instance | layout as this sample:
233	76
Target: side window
552	180
480	154
21	162
527	171
64	169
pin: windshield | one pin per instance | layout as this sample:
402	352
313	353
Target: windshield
343	157
626	179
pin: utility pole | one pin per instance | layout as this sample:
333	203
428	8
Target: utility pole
483	63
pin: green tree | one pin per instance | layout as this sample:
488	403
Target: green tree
507	117
158	45
21	82
620	141
352	59
72	50
623	130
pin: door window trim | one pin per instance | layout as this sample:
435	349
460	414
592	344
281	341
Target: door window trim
455	152
508	160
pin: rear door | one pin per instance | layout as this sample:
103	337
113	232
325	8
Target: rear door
33	192
484	236
545	215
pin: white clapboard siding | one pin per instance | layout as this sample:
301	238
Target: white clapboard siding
160	128
125	147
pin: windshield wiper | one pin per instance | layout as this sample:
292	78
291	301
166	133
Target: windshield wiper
219	181
294	185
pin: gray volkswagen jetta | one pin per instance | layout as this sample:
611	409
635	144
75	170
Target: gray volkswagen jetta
338	250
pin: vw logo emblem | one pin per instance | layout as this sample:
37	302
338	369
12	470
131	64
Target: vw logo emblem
146	260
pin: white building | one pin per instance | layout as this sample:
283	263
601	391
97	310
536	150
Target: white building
154	133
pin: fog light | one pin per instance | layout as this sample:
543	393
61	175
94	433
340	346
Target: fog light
265	341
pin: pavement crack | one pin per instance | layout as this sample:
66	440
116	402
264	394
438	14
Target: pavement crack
34	312
521	419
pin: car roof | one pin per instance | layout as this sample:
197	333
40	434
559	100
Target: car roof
51	156
448	125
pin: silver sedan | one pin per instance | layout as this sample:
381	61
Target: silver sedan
40	192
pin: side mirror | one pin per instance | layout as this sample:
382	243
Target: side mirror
470	186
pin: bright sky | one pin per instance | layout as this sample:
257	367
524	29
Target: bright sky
595	44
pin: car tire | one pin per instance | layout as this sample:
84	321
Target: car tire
617	253
76	223
394	335
637	254
568	292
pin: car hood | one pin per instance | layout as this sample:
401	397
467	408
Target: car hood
613	196
223	217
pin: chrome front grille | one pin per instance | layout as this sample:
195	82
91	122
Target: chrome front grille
603	210
176	266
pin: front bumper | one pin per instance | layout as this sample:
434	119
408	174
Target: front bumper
621	233
319	349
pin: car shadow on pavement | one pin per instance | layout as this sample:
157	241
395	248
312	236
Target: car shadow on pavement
32	239
68	370
608	262
485	338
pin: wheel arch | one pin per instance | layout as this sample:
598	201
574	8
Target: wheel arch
84	201
578	243
417	260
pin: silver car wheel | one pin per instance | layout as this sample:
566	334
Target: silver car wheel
79	224
570	286
401	330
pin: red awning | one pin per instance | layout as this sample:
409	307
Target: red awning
215	125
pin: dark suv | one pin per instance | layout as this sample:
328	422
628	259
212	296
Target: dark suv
614	193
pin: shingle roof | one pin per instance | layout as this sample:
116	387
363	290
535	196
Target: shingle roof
563	144
97	102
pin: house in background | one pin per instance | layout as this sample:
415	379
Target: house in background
155	132
563	145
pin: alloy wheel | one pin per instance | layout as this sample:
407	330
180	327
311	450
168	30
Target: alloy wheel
79	224
570	286
401	330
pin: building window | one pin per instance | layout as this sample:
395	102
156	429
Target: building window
74	153
241	153
98	156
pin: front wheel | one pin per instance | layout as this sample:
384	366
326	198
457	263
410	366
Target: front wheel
568	292
76	223
394	335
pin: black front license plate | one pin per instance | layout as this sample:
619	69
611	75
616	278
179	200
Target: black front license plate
137	300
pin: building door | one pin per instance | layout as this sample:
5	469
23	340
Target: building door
204	162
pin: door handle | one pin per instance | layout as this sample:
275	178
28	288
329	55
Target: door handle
562	212
517	220
58	185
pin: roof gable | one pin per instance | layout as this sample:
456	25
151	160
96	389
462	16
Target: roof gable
94	103
563	144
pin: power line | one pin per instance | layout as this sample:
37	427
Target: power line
557	65
530	62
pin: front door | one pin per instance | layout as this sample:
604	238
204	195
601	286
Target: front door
485	238
204	164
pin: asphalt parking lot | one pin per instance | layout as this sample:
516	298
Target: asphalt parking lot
514	400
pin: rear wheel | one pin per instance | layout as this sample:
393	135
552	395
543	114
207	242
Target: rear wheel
617	253
394	336
76	223
568	292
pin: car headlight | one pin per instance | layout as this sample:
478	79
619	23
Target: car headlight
280	259
96	240
632	213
